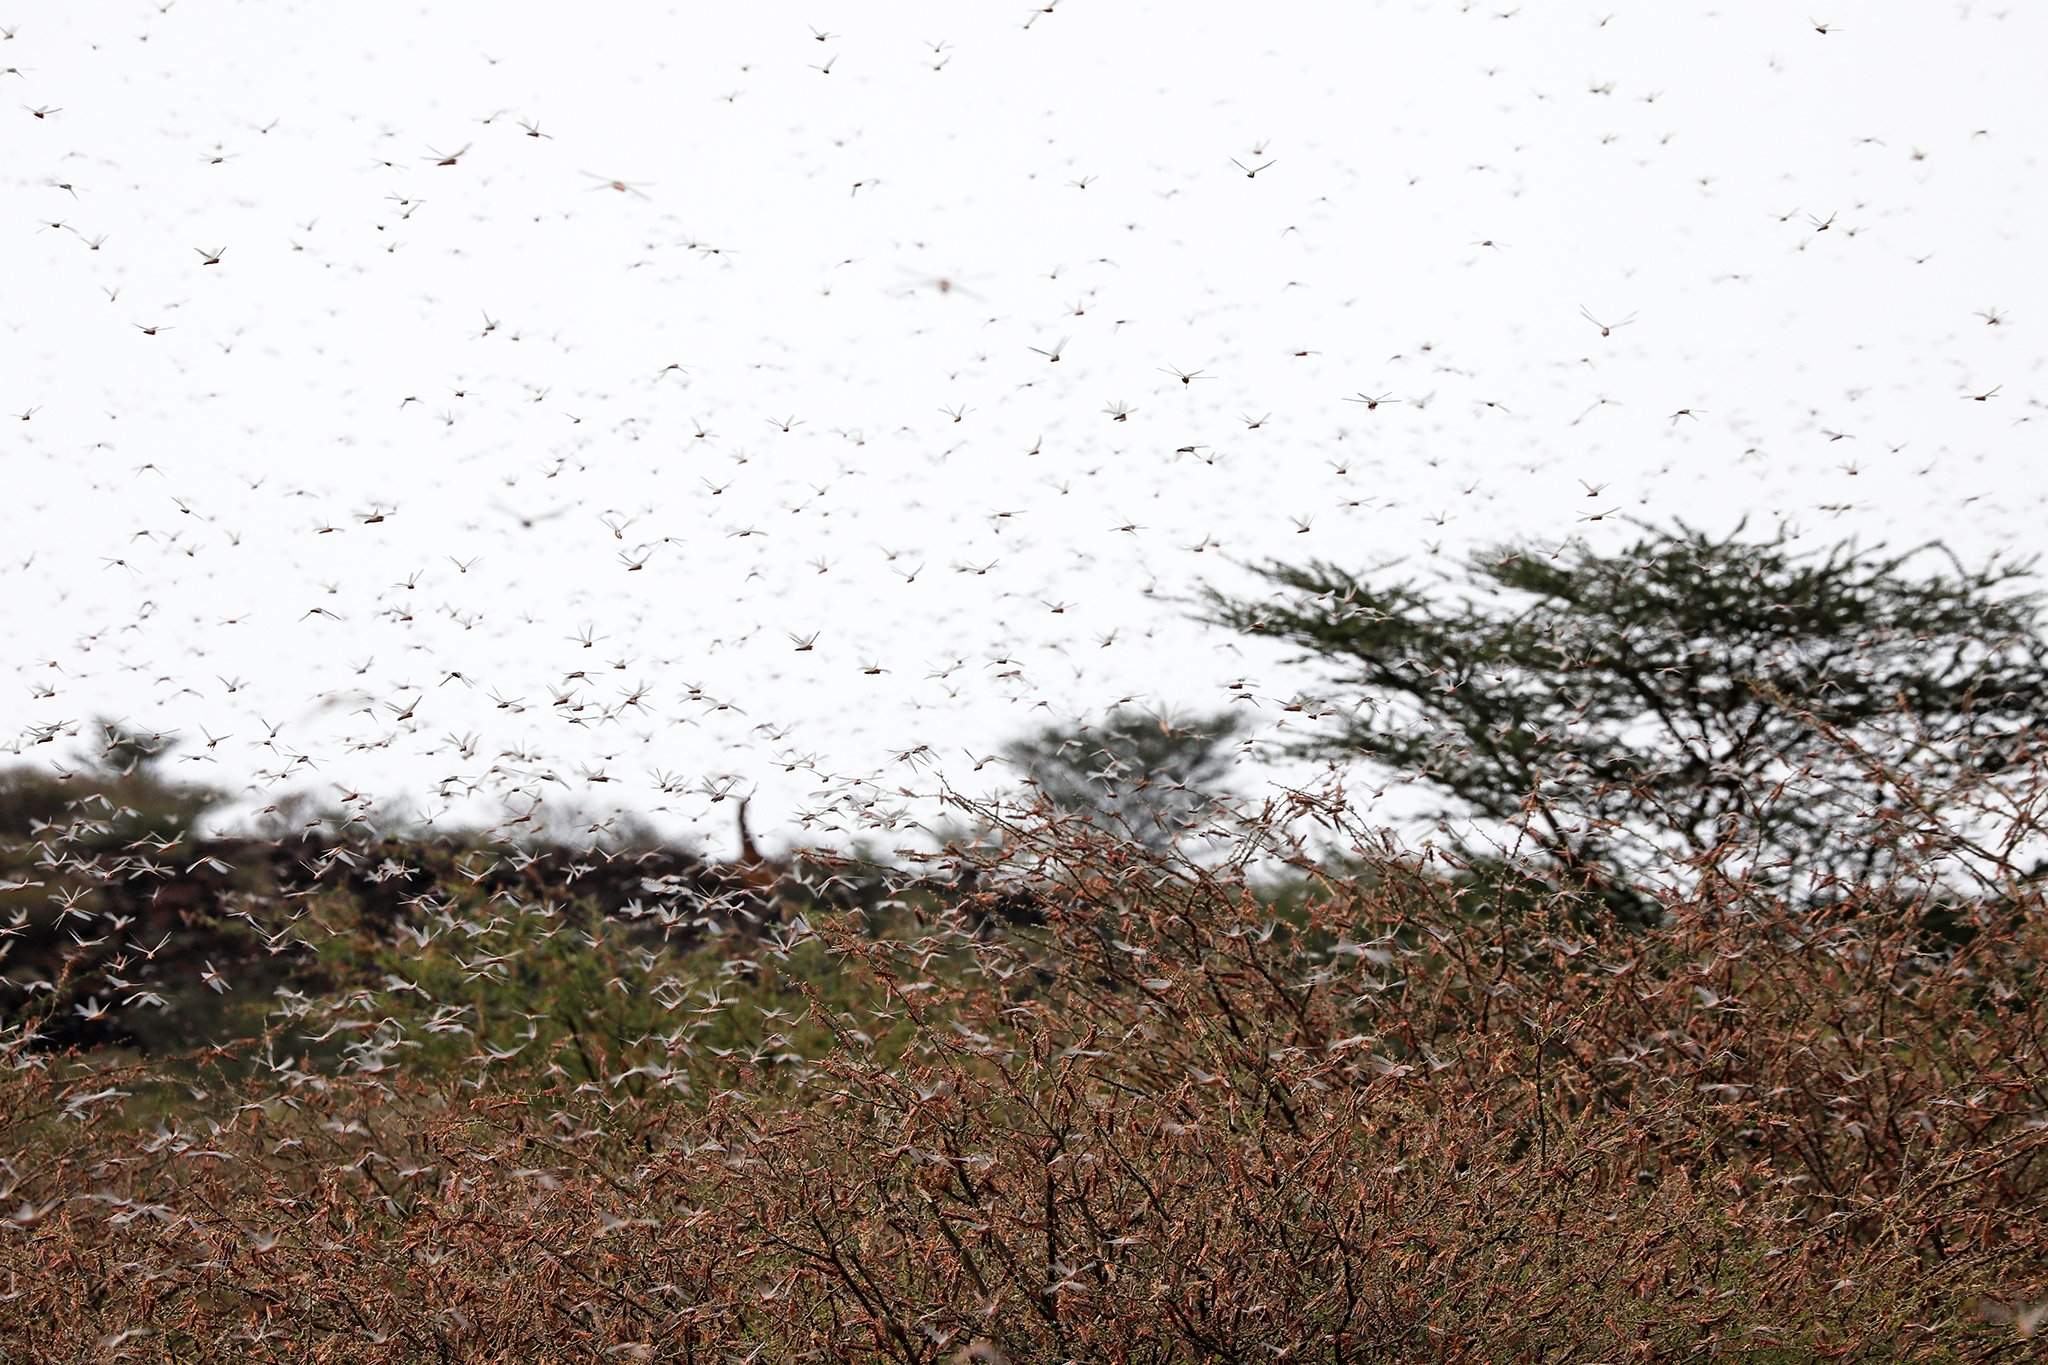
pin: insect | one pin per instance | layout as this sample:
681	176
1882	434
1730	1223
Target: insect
1607	329
1054	354
1118	412
2026	1319
1185	376
606	182
1602	401
529	521
210	257
1251	172
946	284
449	158
1371	401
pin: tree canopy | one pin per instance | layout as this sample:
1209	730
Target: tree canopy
1150	777
1711	696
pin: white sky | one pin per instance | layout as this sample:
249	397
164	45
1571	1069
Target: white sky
1073	180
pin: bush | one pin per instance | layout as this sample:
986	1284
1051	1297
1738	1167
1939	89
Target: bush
1158	1119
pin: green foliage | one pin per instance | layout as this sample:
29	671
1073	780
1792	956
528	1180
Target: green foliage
1729	700
563	989
121	789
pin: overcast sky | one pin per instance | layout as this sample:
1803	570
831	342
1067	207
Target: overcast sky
275	356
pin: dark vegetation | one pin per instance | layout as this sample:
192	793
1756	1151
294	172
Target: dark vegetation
1707	1024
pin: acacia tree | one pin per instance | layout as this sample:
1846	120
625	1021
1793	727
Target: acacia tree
1710	697
1149	777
